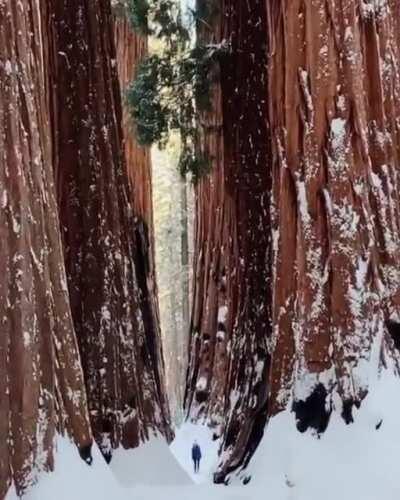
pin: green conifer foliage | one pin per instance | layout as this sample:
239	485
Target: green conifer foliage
173	86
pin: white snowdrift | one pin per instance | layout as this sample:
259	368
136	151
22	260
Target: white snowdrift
73	479
151	464
182	449
355	462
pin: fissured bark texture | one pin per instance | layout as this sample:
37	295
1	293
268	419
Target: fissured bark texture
41	380
229	358
334	84
214	250
131	48
121	354
320	110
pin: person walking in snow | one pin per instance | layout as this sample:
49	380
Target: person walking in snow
196	456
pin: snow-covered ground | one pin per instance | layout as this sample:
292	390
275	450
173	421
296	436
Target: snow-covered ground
182	450
350	462
73	479
356	462
151	464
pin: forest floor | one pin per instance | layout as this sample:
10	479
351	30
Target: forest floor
354	462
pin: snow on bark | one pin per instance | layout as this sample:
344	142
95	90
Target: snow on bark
131	48
214	251
41	380
119	344
229	359
248	178
331	81
336	185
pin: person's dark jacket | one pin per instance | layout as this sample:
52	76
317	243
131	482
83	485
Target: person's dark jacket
196	452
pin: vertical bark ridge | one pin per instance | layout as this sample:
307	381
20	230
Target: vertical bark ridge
41	375
229	363
327	87
247	160
340	151
120	353
215	239
131	48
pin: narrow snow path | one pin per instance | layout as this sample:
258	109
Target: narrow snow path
182	450
355	462
151	464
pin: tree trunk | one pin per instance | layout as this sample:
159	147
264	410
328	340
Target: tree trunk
131	48
118	338
41	382
213	242
184	250
230	325
167	189
336	187
329	137
181	345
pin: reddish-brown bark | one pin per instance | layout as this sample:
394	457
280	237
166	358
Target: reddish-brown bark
333	114
229	359
131	48
41	381
119	345
214	250
60	111
328	92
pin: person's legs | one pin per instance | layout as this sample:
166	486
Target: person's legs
194	464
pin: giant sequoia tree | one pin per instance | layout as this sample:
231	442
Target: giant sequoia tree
116	325
321	85
231	323
80	350
336	198
131	48
41	381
